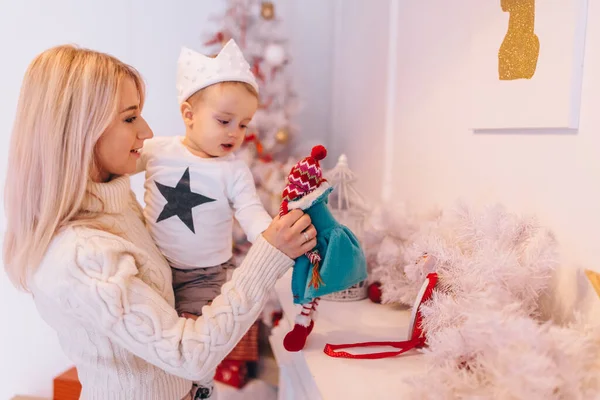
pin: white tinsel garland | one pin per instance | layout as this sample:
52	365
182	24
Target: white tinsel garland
485	336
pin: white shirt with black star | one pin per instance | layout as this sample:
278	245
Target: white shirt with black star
191	203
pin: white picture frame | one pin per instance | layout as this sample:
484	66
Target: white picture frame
550	98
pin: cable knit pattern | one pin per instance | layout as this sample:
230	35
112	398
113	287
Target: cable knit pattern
111	302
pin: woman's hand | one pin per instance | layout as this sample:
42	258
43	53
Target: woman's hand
293	234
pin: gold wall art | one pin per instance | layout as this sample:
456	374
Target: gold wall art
525	65
519	51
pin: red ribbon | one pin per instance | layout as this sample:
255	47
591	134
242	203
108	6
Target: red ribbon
332	349
417	336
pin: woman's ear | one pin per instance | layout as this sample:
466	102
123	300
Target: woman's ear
187	113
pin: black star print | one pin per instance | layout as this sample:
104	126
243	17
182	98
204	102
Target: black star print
181	200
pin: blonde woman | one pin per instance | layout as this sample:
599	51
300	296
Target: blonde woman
76	238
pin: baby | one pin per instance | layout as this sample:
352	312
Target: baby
195	185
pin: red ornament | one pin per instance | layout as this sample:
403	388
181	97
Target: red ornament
253	138
375	292
250	137
257	71
218	38
266	158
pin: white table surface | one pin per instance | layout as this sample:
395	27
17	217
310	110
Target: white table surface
350	322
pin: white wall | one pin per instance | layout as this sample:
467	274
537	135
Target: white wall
310	32
436	159
147	34
359	89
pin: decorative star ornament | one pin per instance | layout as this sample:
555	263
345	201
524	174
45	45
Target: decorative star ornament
181	200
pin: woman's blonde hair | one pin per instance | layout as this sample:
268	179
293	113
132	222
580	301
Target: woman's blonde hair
69	97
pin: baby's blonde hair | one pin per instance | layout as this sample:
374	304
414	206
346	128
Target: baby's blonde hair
69	96
196	98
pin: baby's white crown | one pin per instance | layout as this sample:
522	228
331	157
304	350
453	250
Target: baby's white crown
196	71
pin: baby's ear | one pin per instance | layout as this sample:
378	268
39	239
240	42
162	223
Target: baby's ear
187	113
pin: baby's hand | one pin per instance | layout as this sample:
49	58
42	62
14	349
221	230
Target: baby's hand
293	234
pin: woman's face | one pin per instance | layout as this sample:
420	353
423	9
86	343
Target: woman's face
118	149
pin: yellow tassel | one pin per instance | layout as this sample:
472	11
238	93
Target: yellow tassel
316	280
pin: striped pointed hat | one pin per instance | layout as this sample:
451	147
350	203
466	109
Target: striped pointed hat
305	177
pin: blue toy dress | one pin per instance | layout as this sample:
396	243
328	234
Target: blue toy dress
343	263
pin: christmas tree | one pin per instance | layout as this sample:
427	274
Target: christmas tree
255	27
257	30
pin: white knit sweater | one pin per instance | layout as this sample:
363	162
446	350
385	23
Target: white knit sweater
111	302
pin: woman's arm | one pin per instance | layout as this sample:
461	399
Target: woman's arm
99	283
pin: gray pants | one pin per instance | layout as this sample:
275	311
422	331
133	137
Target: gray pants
196	288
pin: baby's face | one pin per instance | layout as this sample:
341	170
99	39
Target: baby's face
220	119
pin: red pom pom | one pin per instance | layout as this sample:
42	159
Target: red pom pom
318	152
375	292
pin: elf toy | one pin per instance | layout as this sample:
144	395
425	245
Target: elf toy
336	263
